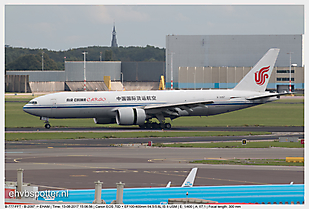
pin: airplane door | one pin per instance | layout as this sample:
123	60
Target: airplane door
53	105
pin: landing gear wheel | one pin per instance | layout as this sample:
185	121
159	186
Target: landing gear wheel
148	126
142	126
162	125
155	126
168	126
47	126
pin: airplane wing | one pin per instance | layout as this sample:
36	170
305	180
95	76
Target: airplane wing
268	95
173	109
183	106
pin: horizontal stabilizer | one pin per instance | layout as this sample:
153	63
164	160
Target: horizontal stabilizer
268	95
190	178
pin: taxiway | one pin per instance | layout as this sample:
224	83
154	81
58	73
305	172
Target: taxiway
80	167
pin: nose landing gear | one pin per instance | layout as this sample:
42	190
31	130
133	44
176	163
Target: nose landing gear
47	125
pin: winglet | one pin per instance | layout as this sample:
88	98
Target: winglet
189	181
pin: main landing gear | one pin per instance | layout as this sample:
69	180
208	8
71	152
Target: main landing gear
154	125
47	125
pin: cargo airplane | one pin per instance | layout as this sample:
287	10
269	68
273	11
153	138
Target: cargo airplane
139	107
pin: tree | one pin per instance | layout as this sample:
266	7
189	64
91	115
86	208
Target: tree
32	62
31	59
108	55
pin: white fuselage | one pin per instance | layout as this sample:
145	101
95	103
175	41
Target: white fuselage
104	104
136	107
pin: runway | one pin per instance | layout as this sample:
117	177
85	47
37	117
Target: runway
77	164
107	142
131	128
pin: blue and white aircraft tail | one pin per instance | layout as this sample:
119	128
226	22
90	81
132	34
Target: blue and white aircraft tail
189	181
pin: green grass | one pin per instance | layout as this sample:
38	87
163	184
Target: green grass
272	162
104	135
279	113
260	144
284	112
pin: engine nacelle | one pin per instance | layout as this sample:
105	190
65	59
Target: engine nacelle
130	116
104	120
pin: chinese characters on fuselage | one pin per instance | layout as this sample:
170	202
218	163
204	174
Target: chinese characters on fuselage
136	98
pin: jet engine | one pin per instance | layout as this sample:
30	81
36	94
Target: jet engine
104	120
130	116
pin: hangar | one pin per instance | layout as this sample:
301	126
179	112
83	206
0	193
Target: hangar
220	61
130	75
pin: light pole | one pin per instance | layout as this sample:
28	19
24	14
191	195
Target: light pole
121	79
84	53
194	77
172	83
42	61
290	86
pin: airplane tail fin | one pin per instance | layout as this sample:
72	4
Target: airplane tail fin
189	181
257	78
169	184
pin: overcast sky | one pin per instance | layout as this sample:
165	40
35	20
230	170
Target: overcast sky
61	27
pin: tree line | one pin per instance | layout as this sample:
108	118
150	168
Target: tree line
31	59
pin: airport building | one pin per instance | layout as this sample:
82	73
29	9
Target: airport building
123	75
220	61
228	77
95	70
197	62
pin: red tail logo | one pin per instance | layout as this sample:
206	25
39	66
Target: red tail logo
260	76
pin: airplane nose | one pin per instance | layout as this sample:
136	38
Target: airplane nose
28	109
25	109
31	107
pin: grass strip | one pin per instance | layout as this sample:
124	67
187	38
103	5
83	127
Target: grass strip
251	144
104	135
285	112
271	162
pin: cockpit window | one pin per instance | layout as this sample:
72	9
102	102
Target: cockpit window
33	102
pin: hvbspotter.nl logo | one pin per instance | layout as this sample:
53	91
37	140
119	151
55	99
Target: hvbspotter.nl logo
261	76
47	195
